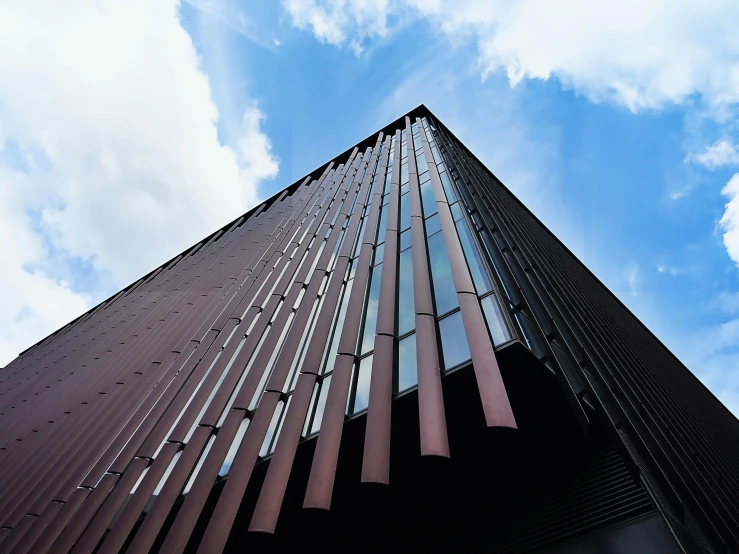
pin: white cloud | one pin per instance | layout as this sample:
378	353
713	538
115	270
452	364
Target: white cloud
729	222
333	21
723	153
640	54
112	156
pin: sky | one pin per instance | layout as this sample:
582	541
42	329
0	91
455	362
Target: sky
131	129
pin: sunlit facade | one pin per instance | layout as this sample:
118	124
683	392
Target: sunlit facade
391	354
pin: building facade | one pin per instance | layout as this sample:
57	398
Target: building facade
391	354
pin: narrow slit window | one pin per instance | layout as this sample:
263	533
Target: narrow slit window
199	465
320	405
407	368
272	430
362	384
370	312
231	454
406	305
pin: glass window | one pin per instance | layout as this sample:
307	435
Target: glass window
370	313
272	431
424	177
456	211
405	212
427	199
404	189
338	328
433	225
379	253
453	340
404	173
496	323
450	196
199	465
358	243
435	154
445	293
406	307
231	454
421	162
405	239
477	270
320	405
407	372
382	226
362	387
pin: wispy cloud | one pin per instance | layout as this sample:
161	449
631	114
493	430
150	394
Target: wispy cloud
722	153
641	55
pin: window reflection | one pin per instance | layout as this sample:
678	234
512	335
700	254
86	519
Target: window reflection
453	340
370	317
226	466
433	225
338	328
362	384
479	276
379	253
421	162
428	200
450	196
273	430
456	211
405	212
406	307
496	323
407	371
445	294
405	240
199	465
382	226
321	405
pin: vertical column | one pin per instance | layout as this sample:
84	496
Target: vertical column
323	469
376	457
434	441
493	395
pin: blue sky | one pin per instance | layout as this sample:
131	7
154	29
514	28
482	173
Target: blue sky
616	125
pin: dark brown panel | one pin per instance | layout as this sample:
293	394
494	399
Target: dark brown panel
44	541
432	419
161	507
192	506
92	534
323	469
273	490
215	537
376	459
137	502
